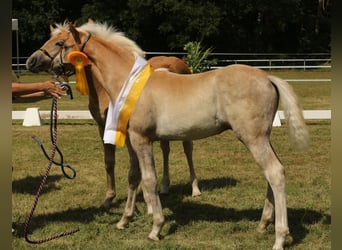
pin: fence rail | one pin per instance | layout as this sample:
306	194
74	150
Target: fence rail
85	114
266	61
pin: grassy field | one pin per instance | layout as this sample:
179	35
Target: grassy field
224	217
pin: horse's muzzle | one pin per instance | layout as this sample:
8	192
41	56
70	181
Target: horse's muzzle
38	62
62	68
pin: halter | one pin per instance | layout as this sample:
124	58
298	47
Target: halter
85	42
46	53
61	61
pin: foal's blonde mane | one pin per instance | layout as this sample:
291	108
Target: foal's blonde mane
107	33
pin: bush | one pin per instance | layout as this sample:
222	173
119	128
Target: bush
197	57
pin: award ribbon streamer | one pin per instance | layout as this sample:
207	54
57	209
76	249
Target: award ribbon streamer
80	60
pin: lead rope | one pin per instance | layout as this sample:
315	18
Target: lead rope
63	165
54	149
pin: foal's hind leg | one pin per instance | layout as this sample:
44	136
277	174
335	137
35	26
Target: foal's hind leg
188	147
268	211
275	175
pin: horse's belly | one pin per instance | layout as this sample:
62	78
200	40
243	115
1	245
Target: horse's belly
188	128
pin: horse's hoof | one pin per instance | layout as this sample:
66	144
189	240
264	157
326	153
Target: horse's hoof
153	237
164	191
261	229
106	204
277	248
120	225
196	193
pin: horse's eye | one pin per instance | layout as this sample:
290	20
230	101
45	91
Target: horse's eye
60	43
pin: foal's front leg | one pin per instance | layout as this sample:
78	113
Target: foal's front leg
134	179
144	151
109	158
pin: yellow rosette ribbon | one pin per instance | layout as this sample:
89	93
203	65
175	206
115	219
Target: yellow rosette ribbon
79	60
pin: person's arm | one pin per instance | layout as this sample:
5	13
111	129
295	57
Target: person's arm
36	89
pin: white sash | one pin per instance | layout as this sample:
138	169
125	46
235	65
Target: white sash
110	132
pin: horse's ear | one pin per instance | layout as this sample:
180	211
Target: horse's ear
75	24
90	20
75	33
52	28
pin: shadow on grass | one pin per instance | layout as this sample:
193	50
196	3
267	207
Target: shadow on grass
204	185
184	212
80	215
299	218
30	184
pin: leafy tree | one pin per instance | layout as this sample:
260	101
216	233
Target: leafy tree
108	11
189	20
35	16
289	26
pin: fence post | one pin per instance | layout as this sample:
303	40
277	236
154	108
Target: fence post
304	64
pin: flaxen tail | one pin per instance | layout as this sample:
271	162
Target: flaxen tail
299	135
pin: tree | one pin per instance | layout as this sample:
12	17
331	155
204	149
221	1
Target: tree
35	16
286	26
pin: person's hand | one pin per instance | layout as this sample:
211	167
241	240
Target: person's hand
50	88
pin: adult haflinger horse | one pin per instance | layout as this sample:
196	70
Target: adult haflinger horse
98	106
186	107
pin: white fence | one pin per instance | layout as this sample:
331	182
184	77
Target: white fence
267	61
269	64
34	117
85	114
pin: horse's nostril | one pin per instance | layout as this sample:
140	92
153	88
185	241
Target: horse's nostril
31	62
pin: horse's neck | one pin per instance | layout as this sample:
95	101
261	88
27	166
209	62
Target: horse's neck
110	65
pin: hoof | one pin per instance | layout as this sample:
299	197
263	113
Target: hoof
261	229
196	193
152	237
164	191
120	225
277	248
106	203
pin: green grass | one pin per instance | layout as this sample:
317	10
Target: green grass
224	217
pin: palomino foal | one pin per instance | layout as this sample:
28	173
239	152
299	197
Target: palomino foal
188	107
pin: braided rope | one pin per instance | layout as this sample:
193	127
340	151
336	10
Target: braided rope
54	142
